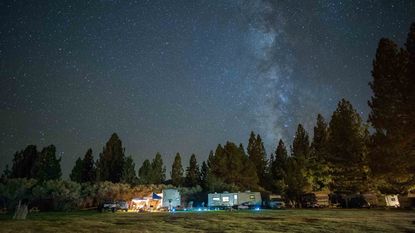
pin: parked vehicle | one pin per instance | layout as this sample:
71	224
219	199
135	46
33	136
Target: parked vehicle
276	202
122	205
228	200
111	205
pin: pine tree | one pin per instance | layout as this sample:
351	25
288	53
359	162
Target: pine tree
319	152
393	115
177	171
47	165
257	155
111	160
24	162
204	176
76	172
409	92
278	168
128	172
192	172
88	171
231	166
84	169
347	151
144	173
298	177
158	171
409	107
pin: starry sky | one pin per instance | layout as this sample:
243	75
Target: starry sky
182	76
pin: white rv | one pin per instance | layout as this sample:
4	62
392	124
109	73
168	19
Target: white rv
226	199
392	201
171	198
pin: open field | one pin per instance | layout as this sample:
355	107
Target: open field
327	220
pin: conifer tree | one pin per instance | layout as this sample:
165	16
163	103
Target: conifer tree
393	115
318	155
24	162
144	173
128	172
257	155
47	165
177	171
278	168
158	170
347	150
88	168
231	166
192	172
298	177
111	160
76	172
204	176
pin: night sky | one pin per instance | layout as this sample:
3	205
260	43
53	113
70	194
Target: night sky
182	76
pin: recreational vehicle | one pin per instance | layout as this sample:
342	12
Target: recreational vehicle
171	199
226	199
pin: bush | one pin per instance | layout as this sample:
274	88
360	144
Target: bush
13	190
64	195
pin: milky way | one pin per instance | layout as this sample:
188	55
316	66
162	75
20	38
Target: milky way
182	76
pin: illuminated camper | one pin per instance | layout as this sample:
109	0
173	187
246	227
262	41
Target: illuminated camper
226	199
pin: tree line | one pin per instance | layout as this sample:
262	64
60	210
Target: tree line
344	155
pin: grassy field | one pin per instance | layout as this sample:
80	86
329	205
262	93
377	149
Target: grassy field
324	220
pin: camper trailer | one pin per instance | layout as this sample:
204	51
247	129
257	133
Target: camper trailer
171	199
227	200
392	201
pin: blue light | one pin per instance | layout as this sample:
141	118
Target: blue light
199	209
257	208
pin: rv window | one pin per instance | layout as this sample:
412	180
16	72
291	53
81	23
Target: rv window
393	199
216	199
235	197
251	196
225	198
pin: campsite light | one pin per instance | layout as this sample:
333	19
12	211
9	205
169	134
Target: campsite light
199	209
257	208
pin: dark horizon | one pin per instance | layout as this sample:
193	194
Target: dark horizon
184	76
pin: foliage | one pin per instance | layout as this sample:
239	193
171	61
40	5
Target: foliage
144	173
257	155
76	172
319	152
177	171
84	169
23	162
158	170
278	169
64	194
392	115
16	189
347	150
231	166
128	172
111	160
298	175
204	173
47	165
192	172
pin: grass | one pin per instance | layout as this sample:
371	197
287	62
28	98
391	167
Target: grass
322	220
